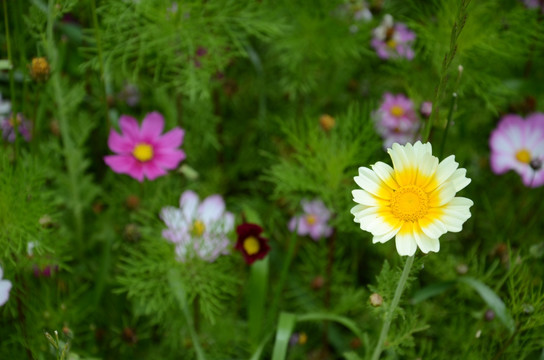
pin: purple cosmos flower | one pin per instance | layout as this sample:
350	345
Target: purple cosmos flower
8	127
396	120
518	145
393	40
250	242
5	287
534	4
314	220
198	228
144	151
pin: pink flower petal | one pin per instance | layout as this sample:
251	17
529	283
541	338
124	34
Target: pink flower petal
171	139
211	209
152	171
120	144
136	171
169	159
129	127
152	127
121	164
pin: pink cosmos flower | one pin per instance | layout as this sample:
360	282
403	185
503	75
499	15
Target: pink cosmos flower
396	120
5	287
144	152
314	220
393	40
518	145
198	228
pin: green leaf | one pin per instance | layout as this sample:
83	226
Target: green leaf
492	300
431	290
332	317
286	323
258	283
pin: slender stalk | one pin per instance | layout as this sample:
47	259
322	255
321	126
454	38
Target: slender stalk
391	311
283	274
450	116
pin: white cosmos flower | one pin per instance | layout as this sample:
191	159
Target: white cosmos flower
414	201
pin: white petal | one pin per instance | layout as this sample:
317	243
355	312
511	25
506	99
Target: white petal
211	209
173	218
426	243
370	182
379	227
365	198
5	287
355	211
432	227
387	236
404	241
386	174
188	203
444	170
459	179
442	195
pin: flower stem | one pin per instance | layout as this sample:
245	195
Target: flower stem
393	307
448	123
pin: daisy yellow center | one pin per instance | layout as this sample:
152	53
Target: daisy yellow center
523	156
251	245
143	152
397	110
198	228
391	43
311	219
409	203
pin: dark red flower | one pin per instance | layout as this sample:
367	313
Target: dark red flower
250	243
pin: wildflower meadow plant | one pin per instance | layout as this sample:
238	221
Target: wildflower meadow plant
144	151
393	40
518	144
413	201
19	123
5	287
198	228
314	221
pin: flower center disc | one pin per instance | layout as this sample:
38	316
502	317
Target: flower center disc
198	228
311	219
251	245
397	111
523	156
410	203
143	152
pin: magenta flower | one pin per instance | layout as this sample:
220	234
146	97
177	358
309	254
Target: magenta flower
314	220
198	228
144	152
518	145
393	40
396	120
5	287
426	109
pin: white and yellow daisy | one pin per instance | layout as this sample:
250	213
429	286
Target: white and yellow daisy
413	201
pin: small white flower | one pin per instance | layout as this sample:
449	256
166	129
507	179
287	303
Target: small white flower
5	287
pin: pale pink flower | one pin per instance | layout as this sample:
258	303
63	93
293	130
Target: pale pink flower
198	228
518	144
143	151
396	120
314	220
5	287
393	40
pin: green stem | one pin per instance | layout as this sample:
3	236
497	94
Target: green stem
450	116
391	310
283	274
